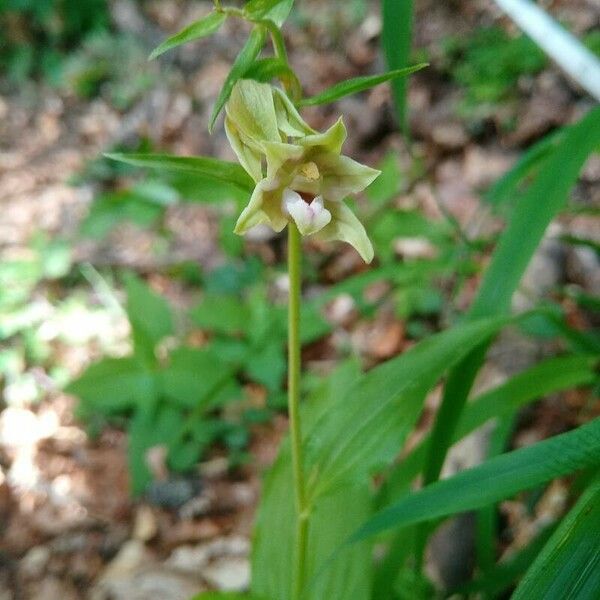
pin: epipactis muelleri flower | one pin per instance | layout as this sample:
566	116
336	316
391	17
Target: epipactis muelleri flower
300	174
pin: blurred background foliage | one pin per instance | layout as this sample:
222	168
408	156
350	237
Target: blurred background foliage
167	383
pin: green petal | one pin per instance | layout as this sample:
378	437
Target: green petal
252	110
277	154
249	158
289	121
330	141
343	176
344	226
264	207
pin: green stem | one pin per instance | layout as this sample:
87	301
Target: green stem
291	84
294	265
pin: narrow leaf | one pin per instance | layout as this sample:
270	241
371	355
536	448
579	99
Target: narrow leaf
569	565
544	199
546	196
361	430
505	188
199	29
243	62
498	478
396	40
547	377
208	168
358	84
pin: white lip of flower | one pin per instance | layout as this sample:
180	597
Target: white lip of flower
310	217
306	177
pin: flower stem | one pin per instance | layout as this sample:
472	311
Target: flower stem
294	265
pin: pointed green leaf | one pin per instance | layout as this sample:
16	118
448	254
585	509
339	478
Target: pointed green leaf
243	62
149	314
331	521
496	479
199	29
221	313
209	168
396	41
358	84
112	385
547	377
190	377
569	565
362	430
546	196
543	200
505	189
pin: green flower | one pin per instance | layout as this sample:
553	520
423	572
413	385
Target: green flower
300	174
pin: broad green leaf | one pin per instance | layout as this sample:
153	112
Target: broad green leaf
193	187
108	210
358	84
208	168
396	40
312	324
387	185
242	63
272	10
221	313
547	377
184	455
333	519
113	385
199	29
496	479
362	430
189	377
154	425
569	565
268	366
149	314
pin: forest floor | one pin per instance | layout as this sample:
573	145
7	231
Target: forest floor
69	526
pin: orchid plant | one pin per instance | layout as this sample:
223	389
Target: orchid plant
317	542
298	178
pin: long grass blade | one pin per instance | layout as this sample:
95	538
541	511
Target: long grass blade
569	565
546	196
396	39
547	377
498	478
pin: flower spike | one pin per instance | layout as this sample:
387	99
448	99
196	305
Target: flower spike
300	174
